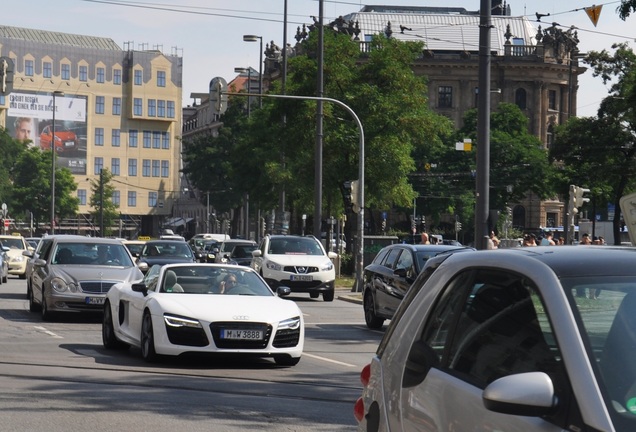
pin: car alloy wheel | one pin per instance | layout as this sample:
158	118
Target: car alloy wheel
148	339
372	320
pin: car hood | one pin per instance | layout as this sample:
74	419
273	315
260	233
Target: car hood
165	260
215	307
299	260
83	272
14	252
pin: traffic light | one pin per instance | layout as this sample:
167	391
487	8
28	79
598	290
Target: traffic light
458	226
351	195
6	75
218	95
576	198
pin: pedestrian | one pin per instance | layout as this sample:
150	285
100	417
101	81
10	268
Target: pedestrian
585	239
425	239
528	240
547	240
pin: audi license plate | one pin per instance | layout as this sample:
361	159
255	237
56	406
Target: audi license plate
302	278
242	334
95	300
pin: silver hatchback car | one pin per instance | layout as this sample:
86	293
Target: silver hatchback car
525	339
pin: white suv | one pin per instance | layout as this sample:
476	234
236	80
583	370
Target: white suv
298	262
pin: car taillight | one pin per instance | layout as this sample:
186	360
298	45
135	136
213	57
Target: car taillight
358	410
365	375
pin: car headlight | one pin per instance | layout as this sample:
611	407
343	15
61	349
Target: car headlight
327	266
17	258
273	266
60	285
291	324
177	321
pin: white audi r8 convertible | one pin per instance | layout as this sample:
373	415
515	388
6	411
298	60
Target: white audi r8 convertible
203	308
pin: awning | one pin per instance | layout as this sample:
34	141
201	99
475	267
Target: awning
177	222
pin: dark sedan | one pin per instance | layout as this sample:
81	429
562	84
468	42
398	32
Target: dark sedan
388	278
164	252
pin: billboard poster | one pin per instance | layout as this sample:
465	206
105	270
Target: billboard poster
30	119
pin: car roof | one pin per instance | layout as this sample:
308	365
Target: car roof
427	248
87	240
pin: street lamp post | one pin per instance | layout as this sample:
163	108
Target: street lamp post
55	93
254	38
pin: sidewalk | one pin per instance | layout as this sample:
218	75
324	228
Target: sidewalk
344	293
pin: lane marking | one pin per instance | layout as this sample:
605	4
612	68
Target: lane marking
48	332
328	360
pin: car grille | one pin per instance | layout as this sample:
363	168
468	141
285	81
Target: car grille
96	287
187	336
83	307
301	269
287	338
216	327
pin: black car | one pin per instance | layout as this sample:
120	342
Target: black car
235	250
388	278
164	252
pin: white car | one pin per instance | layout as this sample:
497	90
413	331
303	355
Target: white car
203	308
17	262
298	262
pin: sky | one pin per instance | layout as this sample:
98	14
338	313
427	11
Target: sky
208	34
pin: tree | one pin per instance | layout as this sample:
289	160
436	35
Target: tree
10	149
31	178
626	8
105	211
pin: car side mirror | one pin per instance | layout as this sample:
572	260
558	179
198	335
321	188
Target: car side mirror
525	394
256	253
401	272
283	291
332	255
140	287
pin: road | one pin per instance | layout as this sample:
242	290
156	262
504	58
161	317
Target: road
56	376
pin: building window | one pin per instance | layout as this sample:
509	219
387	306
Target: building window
161	78
115	139
66	71
132	167
99	165
549	139
152	199
165	168
520	98
445	97
47	69
155	168
552	100
152	108
99	136
170	109
28	67
133	138
147	139
116	198
114	166
81	195
165	140
145	168
117	76
83	73
551	219
116	106
132	199
100	104
137	77
161	108
156	139
138	108
101	75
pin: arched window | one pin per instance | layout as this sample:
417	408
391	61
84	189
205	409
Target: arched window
520	98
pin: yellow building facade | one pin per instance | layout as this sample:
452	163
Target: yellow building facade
116	109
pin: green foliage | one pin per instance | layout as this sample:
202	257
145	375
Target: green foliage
101	202
31	177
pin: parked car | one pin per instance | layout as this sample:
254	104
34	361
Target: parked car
164	252
508	340
235	250
17	262
298	262
203	308
65	139
74	273
32	255
390	275
4	264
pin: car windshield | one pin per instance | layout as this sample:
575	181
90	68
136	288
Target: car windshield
69	253
168	249
294	246
202	279
13	242
607	310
